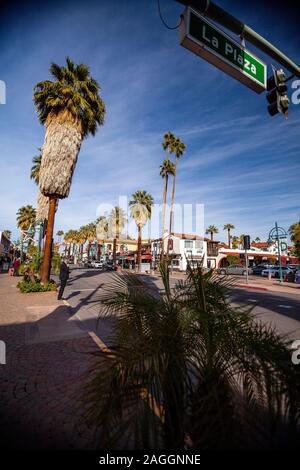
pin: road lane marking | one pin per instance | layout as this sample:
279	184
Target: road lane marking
285	306
101	345
144	394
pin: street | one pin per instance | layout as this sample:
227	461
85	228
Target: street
85	287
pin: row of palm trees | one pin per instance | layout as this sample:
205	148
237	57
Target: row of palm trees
112	226
172	146
233	241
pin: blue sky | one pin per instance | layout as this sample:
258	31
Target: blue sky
240	163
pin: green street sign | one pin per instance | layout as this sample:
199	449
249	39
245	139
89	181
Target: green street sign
212	44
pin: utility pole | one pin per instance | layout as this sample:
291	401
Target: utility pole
246	243
279	253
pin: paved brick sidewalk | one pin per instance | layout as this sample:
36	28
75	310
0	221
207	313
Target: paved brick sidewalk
41	383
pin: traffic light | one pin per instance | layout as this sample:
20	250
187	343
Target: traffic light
246	242
277	96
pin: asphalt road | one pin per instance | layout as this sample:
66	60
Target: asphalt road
86	286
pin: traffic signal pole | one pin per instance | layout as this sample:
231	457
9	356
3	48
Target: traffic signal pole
279	253
246	258
214	12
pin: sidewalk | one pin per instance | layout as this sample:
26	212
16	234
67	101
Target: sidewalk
47	360
272	285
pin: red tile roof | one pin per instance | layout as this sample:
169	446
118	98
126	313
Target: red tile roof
260	244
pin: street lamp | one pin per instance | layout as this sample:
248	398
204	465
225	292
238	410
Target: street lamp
277	234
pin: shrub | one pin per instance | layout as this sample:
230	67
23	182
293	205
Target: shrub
55	264
27	286
186	364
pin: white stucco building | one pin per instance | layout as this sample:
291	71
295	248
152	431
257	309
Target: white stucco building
186	248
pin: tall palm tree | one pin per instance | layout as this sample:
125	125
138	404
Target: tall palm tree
26	217
90	233
35	169
294	232
76	238
7	233
101	233
59	234
116	222
211	229
229	227
168	146
69	238
257	239
82	238
71	109
140	210
178	149
235	242
241	241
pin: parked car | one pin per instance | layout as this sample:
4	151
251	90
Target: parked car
235	269
109	266
87	264
274	271
294	267
97	264
257	270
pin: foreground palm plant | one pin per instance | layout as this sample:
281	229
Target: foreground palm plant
70	107
187	365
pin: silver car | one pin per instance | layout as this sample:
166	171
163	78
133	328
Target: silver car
274	271
235	269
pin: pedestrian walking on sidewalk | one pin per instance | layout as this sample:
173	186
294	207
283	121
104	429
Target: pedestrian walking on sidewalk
63	276
16	266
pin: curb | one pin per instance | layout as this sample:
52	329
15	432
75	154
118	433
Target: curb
253	287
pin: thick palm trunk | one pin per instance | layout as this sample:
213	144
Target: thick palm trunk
139	253
46	265
211	236
229	238
171	209
59	155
